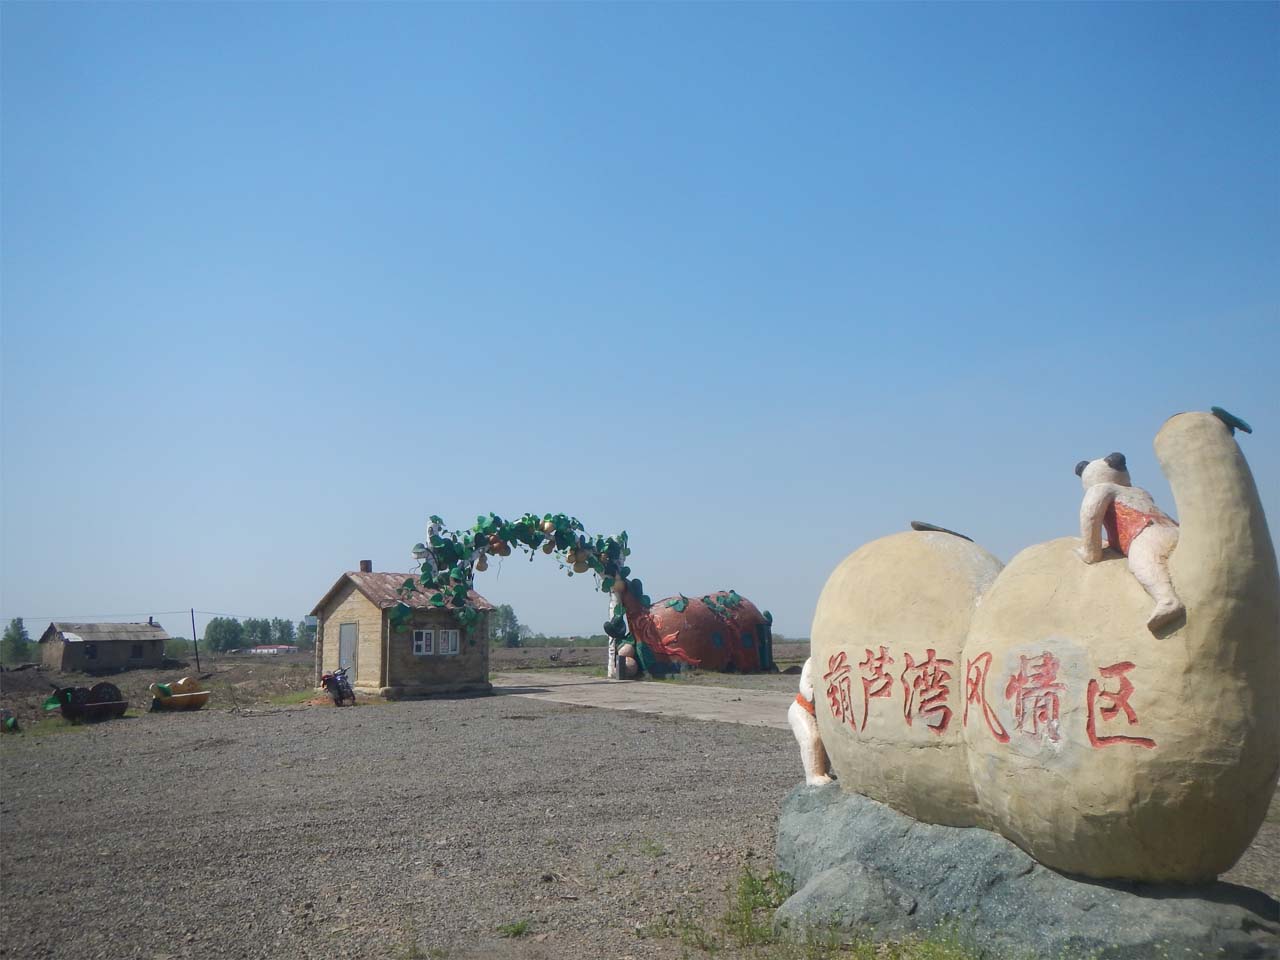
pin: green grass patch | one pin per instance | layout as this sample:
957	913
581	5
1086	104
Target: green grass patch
511	931
651	848
51	725
746	930
749	920
292	698
54	724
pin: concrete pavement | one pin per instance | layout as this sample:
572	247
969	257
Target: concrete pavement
757	708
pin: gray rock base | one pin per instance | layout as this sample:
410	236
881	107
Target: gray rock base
869	871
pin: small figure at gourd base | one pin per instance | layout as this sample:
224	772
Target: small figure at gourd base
805	726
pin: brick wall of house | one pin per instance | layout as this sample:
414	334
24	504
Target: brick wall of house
419	674
349	605
111	656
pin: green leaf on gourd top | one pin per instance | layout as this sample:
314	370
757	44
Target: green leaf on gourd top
437	600
607	584
679	603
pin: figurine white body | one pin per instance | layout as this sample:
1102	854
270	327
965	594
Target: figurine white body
1135	526
805	726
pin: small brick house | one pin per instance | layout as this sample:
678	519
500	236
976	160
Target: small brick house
102	647
430	653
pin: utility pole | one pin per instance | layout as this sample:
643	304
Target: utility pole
194	642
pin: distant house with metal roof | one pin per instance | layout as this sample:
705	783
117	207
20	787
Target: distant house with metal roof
430	653
102	647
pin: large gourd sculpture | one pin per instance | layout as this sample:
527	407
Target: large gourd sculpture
1044	700
722	631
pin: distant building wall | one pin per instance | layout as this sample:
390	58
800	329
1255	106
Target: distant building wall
102	656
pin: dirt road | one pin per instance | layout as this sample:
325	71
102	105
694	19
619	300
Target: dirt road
724	704
381	831
508	826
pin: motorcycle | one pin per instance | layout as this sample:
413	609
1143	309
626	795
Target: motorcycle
338	686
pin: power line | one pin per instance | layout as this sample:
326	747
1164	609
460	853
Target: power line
105	616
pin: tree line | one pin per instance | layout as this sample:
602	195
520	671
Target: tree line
228	633
221	634
16	647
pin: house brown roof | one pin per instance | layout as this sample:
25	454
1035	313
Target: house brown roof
384	590
105	632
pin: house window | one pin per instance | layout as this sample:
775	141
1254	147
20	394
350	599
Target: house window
135	651
91	651
448	642
423	643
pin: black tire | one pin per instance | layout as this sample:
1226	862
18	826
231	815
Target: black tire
105	693
73	701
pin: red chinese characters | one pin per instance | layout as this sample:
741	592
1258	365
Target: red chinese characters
975	694
926	693
840	688
1035	693
1035	690
876	682
1114	702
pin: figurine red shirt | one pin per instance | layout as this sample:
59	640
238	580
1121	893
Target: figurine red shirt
1123	523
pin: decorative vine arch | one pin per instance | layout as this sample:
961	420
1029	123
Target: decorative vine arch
729	631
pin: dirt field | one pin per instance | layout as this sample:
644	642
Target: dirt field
489	827
381	831
244	680
235	679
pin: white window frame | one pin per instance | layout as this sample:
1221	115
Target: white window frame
448	643
424	644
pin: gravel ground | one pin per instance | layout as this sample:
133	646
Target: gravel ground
403	830
398	830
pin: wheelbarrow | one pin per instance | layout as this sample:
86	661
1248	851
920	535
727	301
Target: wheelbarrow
184	694
102	701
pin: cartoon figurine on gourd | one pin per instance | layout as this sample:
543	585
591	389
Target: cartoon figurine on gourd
1135	526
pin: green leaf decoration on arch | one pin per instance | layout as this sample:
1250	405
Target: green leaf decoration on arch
447	560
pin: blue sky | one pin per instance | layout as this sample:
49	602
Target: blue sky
755	283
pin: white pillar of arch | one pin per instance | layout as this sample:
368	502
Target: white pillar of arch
611	668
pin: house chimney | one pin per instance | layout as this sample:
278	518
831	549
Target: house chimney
150	622
366	566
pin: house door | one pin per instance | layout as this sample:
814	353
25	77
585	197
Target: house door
348	634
